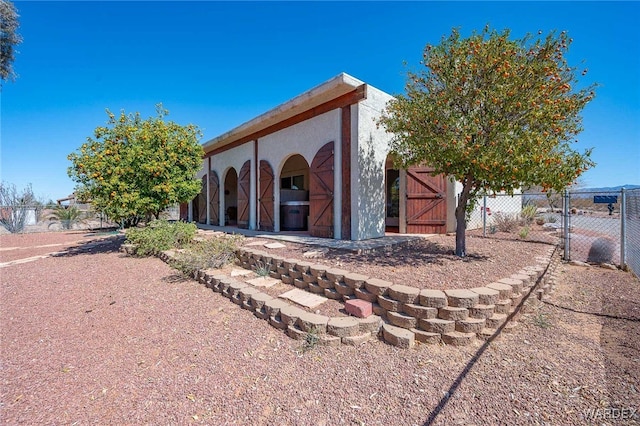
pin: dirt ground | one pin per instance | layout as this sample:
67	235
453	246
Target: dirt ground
95	337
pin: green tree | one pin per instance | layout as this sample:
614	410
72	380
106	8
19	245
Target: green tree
9	38
134	168
492	113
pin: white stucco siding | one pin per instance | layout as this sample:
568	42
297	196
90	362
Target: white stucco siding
236	157
304	138
369	150
501	203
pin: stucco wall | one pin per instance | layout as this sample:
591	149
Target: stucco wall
304	138
235	158
369	150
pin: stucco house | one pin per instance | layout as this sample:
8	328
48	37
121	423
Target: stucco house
319	163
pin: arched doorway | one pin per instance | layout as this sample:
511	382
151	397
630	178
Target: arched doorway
294	188
392	196
231	198
200	203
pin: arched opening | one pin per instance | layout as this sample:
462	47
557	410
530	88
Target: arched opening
231	197
200	204
392	196
294	194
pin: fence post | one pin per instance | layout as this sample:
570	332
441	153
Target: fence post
623	230
565	225
484	215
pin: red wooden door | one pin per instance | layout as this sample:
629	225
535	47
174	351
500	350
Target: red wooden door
266	196
244	185
321	193
201	205
426	202
214	199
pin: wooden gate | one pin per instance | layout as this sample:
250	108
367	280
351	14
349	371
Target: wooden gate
321	193
426	202
244	185
214	198
201	204
266	196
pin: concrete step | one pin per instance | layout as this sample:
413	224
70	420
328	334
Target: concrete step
482	311
402	320
377	286
496	321
371	324
356	340
462	298
354	280
470	325
426	337
456	338
343	326
433	298
404	293
436	325
452	313
486	295
398	336
503	306
419	311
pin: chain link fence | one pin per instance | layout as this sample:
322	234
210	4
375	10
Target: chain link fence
527	216
603	227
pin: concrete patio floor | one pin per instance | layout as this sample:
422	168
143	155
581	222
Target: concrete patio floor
303	237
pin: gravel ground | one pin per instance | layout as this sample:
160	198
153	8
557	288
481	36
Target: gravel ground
94	337
429	262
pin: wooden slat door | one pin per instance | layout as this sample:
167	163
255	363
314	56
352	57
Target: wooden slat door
200	206
266	196
321	193
214	198
184	212
426	202
244	185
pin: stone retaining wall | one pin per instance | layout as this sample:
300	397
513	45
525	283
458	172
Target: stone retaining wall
401	314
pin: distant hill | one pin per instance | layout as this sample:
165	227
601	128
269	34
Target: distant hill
608	188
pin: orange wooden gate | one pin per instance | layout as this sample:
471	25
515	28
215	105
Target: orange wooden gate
244	185
321	193
214	198
426	202
266	196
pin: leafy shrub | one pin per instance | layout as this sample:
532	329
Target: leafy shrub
208	254
528	213
160	235
505	222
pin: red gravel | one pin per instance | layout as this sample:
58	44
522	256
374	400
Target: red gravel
98	338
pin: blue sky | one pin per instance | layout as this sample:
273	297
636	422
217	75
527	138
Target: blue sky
218	65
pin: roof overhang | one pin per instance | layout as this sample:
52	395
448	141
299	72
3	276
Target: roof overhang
335	88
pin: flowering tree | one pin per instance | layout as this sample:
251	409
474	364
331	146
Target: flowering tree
494	114
136	168
9	38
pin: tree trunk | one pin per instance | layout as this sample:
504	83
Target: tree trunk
461	220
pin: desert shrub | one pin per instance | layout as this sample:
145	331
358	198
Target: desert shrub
551	219
67	216
505	222
601	251
160	235
528	213
524	233
208	254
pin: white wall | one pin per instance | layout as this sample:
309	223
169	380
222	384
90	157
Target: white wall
235	158
304	138
369	150
501	203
